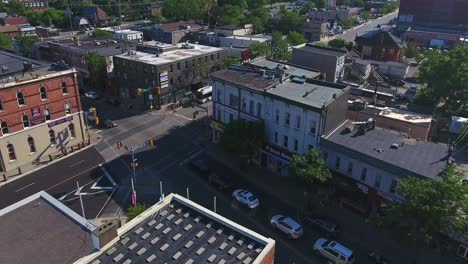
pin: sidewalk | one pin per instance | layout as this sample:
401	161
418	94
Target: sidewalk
357	232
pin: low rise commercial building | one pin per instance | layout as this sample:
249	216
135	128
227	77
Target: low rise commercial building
175	69
40	113
296	109
173	33
234	30
237	46
314	30
329	61
332	14
128	35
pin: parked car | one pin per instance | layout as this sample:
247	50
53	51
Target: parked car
287	225
334	251
246	198
109	123
92	95
324	225
222	183
200	166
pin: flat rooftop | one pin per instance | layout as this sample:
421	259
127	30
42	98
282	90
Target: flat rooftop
310	93
323	50
40	229
178	230
106	48
14	63
412	158
245	77
170	56
290	69
260	38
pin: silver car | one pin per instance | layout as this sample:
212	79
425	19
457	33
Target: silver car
287	225
246	198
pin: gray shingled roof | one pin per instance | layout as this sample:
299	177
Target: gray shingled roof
178	234
414	158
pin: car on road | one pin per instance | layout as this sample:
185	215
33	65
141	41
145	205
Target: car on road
287	225
324	225
334	251
92	95
109	123
220	182
246	198
200	166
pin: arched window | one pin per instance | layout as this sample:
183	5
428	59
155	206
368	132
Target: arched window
72	130
4	128
11	152
1	105
53	141
43	92
20	97
47	114
64	87
26	121
67	109
32	147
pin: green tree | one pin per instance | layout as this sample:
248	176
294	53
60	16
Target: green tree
5	41
258	49
97	67
231	60
296	38
366	15
411	51
243	137
102	34
54	17
157	19
230	15
320	44
339	43
25	45
311	168
183	9
348	22
288	21
134	211
390	8
305	9
358	3
321	3
431	206
279	45
254	4
240	3
446	77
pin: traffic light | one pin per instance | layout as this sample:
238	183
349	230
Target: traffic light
151	142
158	90
138	91
94	111
134	164
97	120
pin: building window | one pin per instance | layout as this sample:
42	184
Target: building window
47	114
53	141
325	156
350	168
219	95
25	121
313	127
259	109
212	57
337	163
363	174
170	68
20	97
393	186
64	87
298	122
285	141
233	101
4	128
217	56
296	145
206	58
218	114
68	109
276	137
11	152
32	147
277	116
186	64
251	107
72	130
378	179
178	66
43	93
1	105
244	104
231	117
287	119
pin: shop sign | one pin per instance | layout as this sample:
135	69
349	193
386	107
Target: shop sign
35	112
36	120
363	187
164	79
278	152
60	121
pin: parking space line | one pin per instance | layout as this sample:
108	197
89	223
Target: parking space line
73	165
24	187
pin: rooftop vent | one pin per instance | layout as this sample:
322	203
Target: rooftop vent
27	66
4	69
379	150
394	146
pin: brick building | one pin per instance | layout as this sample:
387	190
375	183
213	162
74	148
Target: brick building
40	112
380	45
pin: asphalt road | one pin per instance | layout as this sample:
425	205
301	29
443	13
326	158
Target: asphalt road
59	180
371	25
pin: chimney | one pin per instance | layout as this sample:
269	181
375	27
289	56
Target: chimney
27	67
104	234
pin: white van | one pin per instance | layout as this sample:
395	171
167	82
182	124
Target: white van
334	251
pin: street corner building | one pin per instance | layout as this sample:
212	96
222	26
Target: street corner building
40	113
40	229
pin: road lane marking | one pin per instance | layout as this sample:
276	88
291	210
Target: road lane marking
77	163
99	131
190	119
74	176
24	187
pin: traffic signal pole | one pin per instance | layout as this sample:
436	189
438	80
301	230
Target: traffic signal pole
134	177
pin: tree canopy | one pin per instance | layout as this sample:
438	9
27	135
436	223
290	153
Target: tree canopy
25	44
430	206
446	77
102	34
279	45
295	38
339	43
5	41
258	49
243	137
134	211
310	167
97	67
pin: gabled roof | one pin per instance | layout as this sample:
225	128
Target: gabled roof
380	38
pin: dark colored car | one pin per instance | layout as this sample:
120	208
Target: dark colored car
324	225
222	183
200	166
109	123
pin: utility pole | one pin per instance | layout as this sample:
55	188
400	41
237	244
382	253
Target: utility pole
70	16
134	176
